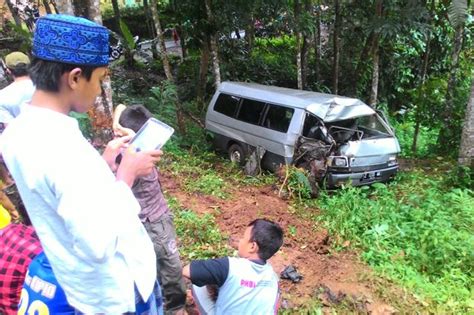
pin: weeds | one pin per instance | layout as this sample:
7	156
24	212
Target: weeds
199	234
296	183
415	231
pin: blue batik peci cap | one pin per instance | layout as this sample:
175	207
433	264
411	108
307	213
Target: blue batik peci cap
72	40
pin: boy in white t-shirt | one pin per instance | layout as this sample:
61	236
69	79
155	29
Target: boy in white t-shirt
248	284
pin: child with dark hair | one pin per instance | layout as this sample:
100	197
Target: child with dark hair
246	285
156	217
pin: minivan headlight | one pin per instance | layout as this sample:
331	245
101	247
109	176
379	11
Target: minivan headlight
339	162
392	160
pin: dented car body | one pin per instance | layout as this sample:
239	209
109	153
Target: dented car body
337	139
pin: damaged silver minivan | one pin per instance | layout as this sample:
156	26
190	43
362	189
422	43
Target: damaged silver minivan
337	139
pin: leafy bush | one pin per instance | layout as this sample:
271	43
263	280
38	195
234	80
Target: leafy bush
296	183
427	139
415	230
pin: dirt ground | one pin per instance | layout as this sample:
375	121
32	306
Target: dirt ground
332	277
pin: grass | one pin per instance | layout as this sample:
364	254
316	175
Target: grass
415	231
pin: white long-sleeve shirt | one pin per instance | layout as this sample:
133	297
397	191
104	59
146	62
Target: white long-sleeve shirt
86	220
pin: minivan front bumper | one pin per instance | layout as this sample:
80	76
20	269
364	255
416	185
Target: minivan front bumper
334	178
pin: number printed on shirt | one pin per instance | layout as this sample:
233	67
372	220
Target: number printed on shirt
36	307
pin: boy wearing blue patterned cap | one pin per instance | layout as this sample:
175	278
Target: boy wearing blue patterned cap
85	216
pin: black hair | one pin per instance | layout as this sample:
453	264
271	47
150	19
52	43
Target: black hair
268	235
20	70
46	75
134	116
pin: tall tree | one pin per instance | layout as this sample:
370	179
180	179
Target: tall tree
457	15
203	69
101	112
14	12
466	149
161	41
166	64
47	7
422	77
116	9
213	43
375	58
336	47
317	42
299	44
64	7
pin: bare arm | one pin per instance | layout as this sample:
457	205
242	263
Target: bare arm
119	130
187	271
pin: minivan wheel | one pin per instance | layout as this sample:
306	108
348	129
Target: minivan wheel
236	154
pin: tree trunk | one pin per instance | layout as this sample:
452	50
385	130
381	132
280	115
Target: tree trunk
299	45
361	64
47	7
53	2
166	64
101	116
250	32
182	41
94	11
81	8
214	47
446	133
466	149
203	68
161	41
374	88
116	9
317	45
305	50
64	7
422	79
149	23
375	75
336	48
14	12
101	113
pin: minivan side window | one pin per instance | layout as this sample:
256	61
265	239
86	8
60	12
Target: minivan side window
278	118
227	104
250	111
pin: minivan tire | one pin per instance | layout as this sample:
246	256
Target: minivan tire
237	154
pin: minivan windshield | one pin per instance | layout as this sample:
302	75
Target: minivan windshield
372	127
363	127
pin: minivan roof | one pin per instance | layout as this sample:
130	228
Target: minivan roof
328	107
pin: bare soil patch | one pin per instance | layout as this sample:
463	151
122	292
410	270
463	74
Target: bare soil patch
333	277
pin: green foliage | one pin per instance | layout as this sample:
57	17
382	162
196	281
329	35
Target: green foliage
460	177
457	12
415	230
163	102
129	41
84	123
209	184
272	61
427	139
134	17
24	34
296	183
199	234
